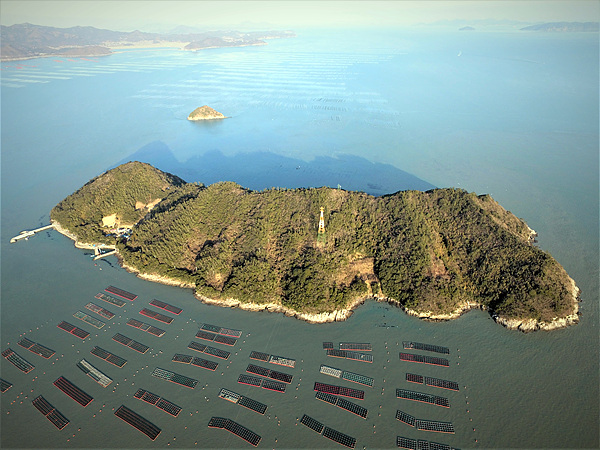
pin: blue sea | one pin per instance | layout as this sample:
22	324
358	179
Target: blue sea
513	114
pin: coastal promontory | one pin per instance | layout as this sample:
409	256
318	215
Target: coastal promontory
317	253
205	113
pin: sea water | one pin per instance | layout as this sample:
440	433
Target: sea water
514	115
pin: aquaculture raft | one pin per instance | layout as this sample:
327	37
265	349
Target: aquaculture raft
262	382
162	305
36	348
94	373
419	444
327	345
121	293
174	377
424	359
434	382
16	360
209	350
342	403
51	413
268	373
365	347
4	385
327	432
339	390
409	345
72	329
109	299
241	400
344	374
108	356
235	428
421	397
194	361
156	316
128	342
426	425
356	356
221	330
218	338
96	323
73	391
146	327
273	359
138	422
159	402
99	310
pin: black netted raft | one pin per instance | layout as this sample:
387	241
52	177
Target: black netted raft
419	444
273	359
73	391
156	315
235	428
339	390
121	293
434	382
51	413
423	398
72	329
146	327
427	425
162	305
19	362
342	403
36	348
136	421
108	356
327	432
128	342
174	377
268	373
242	400
424	359
159	402
409	345
5	385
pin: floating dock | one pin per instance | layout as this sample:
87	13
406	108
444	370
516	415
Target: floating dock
110	299
409	345
146	327
339	390
108	356
121	293
128	342
242	400
158	401
425	425
364	347
18	361
209	350
162	305
4	385
96	323
342	403
273	359
51	413
94	373
138	422
194	361
27	234
100	310
72	329
268	373
420	444
327	432
156	316
262	382
173	377
424	359
218	338
235	428
73	391
423	398
434	382
36	348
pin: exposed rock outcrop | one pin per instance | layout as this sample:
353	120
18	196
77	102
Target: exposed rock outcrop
205	113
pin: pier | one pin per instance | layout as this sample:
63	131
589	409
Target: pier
29	233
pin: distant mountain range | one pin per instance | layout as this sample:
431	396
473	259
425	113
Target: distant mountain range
564	26
26	40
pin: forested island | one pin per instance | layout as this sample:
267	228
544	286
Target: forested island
436	254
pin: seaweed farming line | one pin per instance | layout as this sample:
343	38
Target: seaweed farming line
73	391
138	422
128	342
209	350
241	400
36	348
146	327
214	337
339	390
329	433
108	356
121	293
18	361
156	315
273	359
50	412
109	299
96	323
434	382
4	385
72	329
342	403
195	361
425	425
162	305
344	374
423	398
409	345
268	373
221	330
262	382
100	378
420	444
235	428
158	401
356	356
173	377
424	359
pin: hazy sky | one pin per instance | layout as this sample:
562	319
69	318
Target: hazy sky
128	15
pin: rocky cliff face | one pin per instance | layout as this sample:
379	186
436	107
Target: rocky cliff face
205	113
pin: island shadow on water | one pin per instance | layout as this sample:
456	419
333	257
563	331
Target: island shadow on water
264	170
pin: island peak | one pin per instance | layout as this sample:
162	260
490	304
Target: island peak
205	113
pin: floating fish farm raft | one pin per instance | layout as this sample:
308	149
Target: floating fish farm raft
162	305
138	422
339	390
268	373
146	327
94	373
424	359
426	425
108	356
262	382
235	428
156	315
273	359
18	361
72	329
345	375
218	338
121	293
36	348
4	385
409	345
342	403
221	330
195	361
51	413
73	391
158	401
327	345
174	377
100	310
434	382
241	400
347	354
421	397
128	342
419	444
364	347
329	433
96	323
209	350
109	299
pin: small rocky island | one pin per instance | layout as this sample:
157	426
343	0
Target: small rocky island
318	253
205	113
